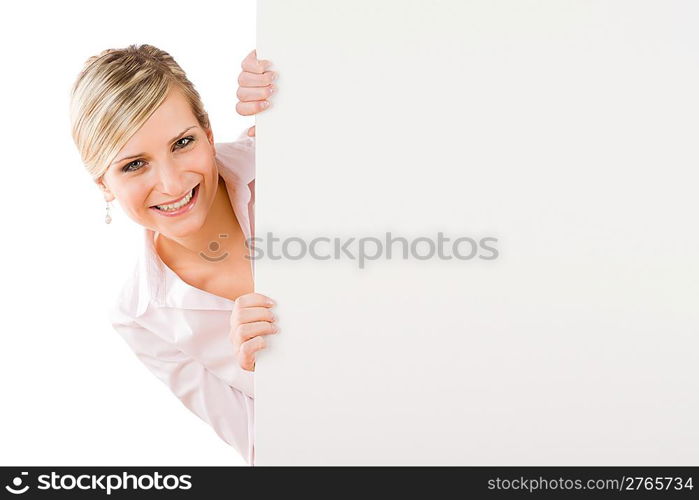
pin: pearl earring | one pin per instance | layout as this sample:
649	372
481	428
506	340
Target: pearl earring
107	217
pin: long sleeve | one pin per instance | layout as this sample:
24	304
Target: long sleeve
227	410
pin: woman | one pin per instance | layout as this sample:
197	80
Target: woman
188	311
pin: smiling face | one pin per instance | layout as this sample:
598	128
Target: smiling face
165	178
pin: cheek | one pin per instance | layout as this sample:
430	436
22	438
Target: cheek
133	199
204	164
206	169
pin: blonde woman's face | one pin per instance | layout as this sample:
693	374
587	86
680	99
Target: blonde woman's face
165	178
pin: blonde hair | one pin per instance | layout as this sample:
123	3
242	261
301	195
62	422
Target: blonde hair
115	93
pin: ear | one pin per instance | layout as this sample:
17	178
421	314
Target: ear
108	195
210	135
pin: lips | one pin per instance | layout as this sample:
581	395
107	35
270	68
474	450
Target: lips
178	206
173	203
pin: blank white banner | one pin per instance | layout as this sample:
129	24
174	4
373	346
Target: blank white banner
539	160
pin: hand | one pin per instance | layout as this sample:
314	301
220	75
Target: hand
250	320
255	86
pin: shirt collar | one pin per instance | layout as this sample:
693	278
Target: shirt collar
158	283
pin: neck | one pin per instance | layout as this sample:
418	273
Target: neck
220	219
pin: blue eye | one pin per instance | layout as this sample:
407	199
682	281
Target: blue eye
128	166
134	165
189	140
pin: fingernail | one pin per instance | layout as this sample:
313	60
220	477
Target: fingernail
270	302
272	90
265	104
274	76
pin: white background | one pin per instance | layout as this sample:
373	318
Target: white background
72	391
568	129
74	394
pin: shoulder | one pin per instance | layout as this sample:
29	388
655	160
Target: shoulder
125	307
238	156
136	292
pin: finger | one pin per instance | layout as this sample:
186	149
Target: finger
251	108
256	302
247	352
253	299
248	79
247	94
251	131
247	331
250	314
254	65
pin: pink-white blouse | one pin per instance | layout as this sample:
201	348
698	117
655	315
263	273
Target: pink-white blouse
180	332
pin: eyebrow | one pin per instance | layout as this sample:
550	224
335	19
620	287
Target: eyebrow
144	154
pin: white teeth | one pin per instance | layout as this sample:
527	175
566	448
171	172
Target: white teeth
175	206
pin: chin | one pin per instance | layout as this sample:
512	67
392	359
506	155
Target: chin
180	229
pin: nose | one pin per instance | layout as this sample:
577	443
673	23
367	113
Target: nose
170	181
